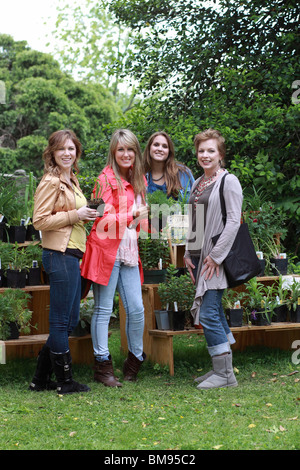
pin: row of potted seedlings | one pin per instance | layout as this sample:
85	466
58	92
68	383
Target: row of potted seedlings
260	305
20	265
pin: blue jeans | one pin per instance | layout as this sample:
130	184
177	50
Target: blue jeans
216	330
127	281
215	327
65	293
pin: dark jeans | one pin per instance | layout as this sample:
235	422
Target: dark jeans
65	293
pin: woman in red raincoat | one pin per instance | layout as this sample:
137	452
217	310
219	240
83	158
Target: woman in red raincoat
111	260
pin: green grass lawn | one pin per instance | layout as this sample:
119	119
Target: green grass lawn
158	412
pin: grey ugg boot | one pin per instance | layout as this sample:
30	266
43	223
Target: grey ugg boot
222	376
201	378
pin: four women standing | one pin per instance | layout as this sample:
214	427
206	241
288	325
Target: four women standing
110	258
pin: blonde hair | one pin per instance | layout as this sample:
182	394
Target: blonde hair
55	141
171	168
136	177
212	134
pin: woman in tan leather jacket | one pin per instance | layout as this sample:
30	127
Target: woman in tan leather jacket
59	213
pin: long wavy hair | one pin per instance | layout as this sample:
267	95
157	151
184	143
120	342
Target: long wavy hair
171	168
55	141
136	176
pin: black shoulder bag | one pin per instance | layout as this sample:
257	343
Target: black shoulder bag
241	263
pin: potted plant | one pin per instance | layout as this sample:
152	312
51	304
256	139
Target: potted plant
277	258
293	301
266	222
96	202
231	302
160	206
30	188
16	266
262	263
154	254
257	302
34	264
85	316
177	294
14	314
279	294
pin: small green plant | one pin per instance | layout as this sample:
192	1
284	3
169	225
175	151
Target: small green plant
16	257
14	308
257	298
177	292
293	295
152	250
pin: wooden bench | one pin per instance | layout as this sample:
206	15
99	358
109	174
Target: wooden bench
28	346
276	335
158	344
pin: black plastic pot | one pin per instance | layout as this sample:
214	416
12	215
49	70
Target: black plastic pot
278	266
262	263
280	314
295	315
32	234
154	276
16	279
234	316
16	233
14	330
34	277
97	204
259	318
176	320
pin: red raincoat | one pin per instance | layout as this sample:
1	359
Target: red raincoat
107	232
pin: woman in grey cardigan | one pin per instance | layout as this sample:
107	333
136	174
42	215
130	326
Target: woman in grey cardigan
204	260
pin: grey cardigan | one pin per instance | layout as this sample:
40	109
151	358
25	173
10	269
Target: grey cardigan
233	197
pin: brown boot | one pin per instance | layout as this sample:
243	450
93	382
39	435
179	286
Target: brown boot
104	373
131	367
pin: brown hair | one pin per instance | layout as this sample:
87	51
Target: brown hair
56	140
211	134
126	137
171	169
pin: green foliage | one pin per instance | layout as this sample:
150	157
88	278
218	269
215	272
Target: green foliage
152	250
42	99
13	308
176	291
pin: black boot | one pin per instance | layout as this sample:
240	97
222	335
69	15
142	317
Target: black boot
41	379
62	366
131	367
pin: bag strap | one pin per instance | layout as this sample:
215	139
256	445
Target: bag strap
222	200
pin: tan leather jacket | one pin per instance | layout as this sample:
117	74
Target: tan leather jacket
54	211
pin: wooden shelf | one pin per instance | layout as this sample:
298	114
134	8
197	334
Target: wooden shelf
276	335
41	287
29	346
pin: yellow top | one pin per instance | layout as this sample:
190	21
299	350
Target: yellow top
78	234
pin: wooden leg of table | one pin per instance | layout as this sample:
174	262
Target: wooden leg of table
162	351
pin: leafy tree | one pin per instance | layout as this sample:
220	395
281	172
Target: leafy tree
41	99
228	65
93	45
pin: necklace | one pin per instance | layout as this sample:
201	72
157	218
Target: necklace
204	183
158	179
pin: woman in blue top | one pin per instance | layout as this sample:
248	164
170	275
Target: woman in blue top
163	172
